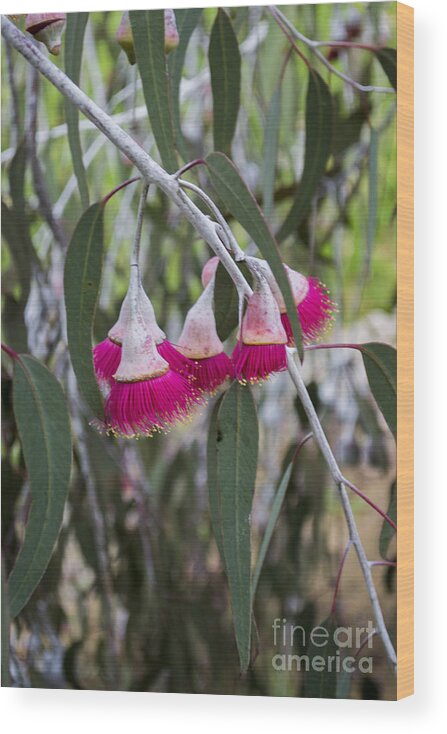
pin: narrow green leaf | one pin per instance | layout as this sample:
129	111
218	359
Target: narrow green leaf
319	116
344	681
44	427
226	300
186	20
373	162
388	60
148	34
273	517
387	531
236	436
6	621
213	484
271	137
82	278
321	683
380	362
225	67
73	45
242	204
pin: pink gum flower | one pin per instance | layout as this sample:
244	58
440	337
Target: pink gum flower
261	347
314	306
146	396
207	365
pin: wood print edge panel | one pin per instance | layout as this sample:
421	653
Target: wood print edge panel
405	351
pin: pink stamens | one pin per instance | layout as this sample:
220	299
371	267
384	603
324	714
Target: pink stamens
142	408
210	372
106	359
254	362
315	312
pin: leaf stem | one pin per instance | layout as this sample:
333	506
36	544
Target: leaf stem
119	187
339	573
10	352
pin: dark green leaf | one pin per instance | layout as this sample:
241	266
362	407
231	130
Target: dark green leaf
226	301
344	681
213	484
388	532
73	45
44	427
186	20
271	137
380	365
319	115
148	34
225	67
82	278
242	204
273	517
322	683
233	470
5	679
388	60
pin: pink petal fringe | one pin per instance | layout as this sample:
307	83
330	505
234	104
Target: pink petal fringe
177	361
315	312
106	359
143	408
210	372
253	362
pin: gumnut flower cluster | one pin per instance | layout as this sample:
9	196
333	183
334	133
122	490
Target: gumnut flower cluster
151	384
47	28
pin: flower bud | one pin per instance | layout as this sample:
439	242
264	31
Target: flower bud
171	33
125	38
47	28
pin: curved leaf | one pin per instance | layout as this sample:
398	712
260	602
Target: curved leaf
380	362
44	427
225	67
388	59
322	683
148	29
232	466
186	20
226	300
82	278
273	517
73	45
387	531
242	204
319	115
271	137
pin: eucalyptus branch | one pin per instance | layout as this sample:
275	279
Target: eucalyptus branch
340	481
210	231
314	47
149	169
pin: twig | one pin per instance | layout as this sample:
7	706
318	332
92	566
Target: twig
340	571
339	480
313	45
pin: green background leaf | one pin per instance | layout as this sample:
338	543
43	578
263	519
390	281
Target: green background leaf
322	684
186	20
148	34
82	279
231	476
381	368
44	427
225	67
242	204
387	532
319	117
73	45
271	138
388	59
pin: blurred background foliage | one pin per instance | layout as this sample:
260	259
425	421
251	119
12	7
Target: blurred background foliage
135	597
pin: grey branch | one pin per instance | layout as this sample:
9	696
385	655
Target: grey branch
314	47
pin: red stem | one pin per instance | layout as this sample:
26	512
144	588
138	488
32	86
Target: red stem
370	503
339	573
383	563
10	352
188	166
292	42
119	187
